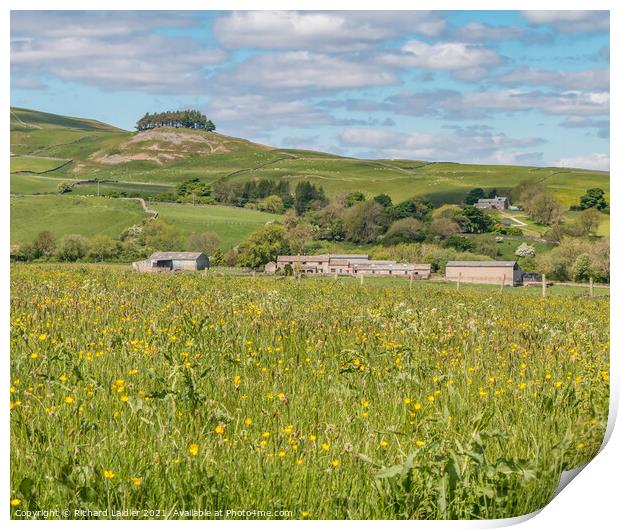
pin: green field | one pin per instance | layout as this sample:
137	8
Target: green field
61	215
320	398
76	214
169	156
130	188
509	244
604	227
26	184
29	120
35	164
230	224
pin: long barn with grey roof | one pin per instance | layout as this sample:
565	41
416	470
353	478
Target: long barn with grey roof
493	272
173	261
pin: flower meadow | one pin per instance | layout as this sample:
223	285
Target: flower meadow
318	398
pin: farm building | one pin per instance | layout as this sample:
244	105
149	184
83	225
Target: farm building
172	261
494	272
499	203
271	267
348	264
391	268
305	264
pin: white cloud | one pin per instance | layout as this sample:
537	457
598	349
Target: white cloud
568	21
321	31
119	60
96	24
477	32
570	102
599	161
445	55
306	70
456	105
257	112
579	122
466	61
479	145
593	79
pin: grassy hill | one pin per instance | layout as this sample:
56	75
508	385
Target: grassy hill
231	224
168	156
61	215
90	216
49	149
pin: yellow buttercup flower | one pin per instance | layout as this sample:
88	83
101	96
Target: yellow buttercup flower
193	449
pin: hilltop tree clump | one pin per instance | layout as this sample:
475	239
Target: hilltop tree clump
188	119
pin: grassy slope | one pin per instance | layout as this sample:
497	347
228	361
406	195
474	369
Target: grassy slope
169	156
35	164
231	224
32	184
60	215
86	141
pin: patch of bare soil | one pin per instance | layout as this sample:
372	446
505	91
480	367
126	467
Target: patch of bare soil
161	146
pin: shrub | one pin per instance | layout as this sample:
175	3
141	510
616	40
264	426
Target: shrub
525	250
72	247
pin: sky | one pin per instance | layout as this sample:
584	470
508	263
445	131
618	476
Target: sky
490	87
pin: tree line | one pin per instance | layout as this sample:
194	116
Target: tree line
134	243
188	119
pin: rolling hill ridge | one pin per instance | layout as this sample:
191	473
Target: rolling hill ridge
169	156
49	149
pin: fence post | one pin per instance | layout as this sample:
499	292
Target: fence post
458	282
503	282
361	279
253	274
410	281
591	286
544	286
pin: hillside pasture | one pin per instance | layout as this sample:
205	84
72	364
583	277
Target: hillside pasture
26	184
170	156
35	164
132	189
26	120
66	214
231	224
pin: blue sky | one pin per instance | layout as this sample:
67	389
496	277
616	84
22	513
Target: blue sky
501	87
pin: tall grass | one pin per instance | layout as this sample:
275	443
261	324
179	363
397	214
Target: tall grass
327	399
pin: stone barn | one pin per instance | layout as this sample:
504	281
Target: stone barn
493	272
173	261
